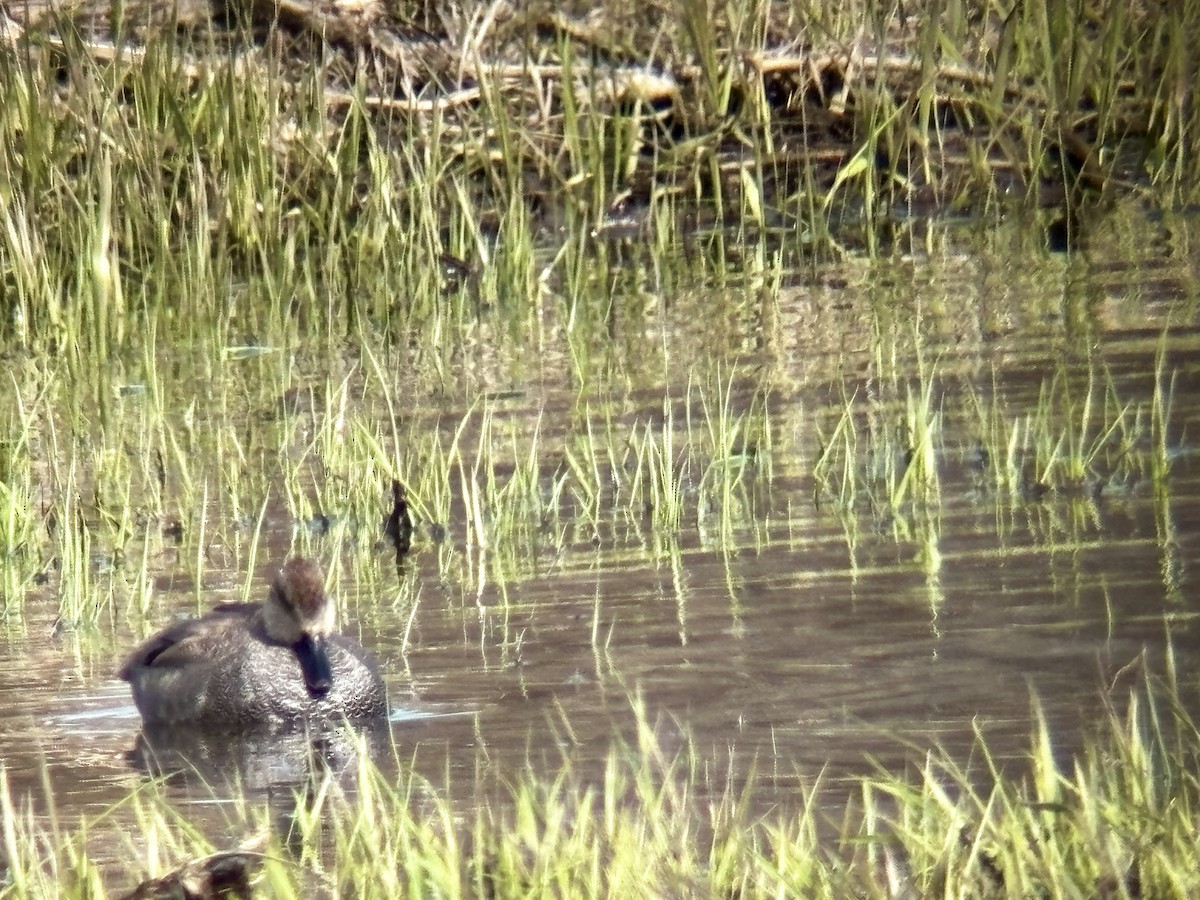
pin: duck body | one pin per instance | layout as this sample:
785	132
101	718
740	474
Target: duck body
244	666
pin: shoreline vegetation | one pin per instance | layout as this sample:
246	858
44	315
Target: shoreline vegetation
463	126
241	244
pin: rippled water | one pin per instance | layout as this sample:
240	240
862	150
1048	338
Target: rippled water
820	638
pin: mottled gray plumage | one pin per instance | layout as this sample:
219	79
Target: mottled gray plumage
245	665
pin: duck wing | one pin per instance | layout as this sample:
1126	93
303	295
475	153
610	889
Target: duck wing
191	640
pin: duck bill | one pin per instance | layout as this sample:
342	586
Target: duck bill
314	663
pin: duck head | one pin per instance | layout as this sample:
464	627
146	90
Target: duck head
299	614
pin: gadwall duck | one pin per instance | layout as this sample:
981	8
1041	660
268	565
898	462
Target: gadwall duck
246	665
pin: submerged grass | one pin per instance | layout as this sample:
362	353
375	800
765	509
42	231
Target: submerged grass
497	482
1119	820
1081	436
237	283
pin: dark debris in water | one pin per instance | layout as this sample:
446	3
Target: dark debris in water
227	875
399	526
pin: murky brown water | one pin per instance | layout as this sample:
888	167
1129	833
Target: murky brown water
821	639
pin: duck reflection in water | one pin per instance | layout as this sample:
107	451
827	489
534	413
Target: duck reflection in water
246	666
